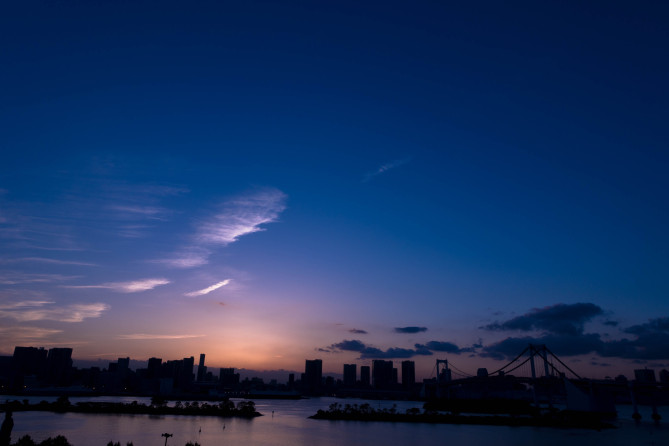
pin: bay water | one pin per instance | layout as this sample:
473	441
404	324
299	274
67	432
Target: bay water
286	423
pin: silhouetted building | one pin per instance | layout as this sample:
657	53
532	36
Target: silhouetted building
664	376
350	373
382	373
153	368
365	376
408	374
482	372
291	381
180	371
123	365
59	367
228	378
313	375
6	371
186	374
645	376
201	369
29	360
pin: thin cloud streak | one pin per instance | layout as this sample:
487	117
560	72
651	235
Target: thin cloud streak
146	211
208	289
125	287
189	258
147	337
47	260
23	333
31	311
385	168
17	278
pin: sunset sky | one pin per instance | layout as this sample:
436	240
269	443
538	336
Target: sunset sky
269	182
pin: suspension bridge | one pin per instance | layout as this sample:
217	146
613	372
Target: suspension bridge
535	361
535	373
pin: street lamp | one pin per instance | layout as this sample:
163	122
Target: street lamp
166	435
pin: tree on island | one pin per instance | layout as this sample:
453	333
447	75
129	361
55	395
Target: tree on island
6	429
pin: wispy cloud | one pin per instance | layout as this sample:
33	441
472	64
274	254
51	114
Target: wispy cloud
208	289
27	333
135	286
188	258
235	218
30	311
385	168
133	231
47	260
145	211
243	215
16	278
147	336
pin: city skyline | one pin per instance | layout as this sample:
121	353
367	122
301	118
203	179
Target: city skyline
274	183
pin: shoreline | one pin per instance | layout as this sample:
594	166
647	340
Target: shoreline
243	409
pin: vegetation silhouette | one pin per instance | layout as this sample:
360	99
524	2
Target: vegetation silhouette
365	412
243	409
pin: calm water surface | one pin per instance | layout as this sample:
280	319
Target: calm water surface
289	426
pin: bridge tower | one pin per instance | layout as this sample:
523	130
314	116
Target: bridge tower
443	375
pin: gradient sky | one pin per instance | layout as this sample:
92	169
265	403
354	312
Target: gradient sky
267	182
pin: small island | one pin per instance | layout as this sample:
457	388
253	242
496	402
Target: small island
556	418
158	406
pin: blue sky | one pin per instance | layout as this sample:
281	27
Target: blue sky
265	182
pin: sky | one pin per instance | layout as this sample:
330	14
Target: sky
269	182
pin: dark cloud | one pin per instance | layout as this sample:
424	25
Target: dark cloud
367	352
644	347
561	345
400	353
356	331
351	346
611	323
653	326
560	319
648	346
600	364
410	329
447	347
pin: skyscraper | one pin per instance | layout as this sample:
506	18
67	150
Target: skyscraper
201	369
365	376
408	374
313	375
382	373
59	366
350	373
